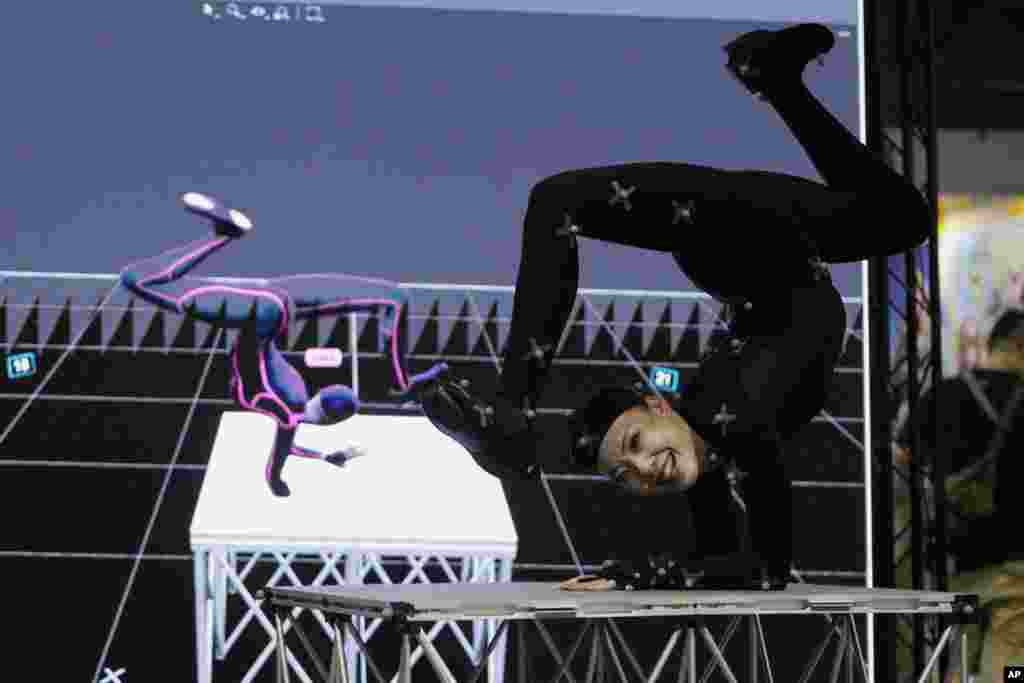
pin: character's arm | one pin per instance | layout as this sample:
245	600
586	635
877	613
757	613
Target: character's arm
338	457
303	452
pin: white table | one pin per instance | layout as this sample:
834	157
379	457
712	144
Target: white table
416	496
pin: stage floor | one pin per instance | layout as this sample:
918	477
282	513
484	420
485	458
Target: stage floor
527	600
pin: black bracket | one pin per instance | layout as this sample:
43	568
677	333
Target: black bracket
966	609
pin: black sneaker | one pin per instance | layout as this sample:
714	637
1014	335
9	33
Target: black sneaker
761	58
450	406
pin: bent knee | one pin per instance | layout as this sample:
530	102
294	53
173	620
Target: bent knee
916	215
549	203
553	189
130	279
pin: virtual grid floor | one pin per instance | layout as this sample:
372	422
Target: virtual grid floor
103	451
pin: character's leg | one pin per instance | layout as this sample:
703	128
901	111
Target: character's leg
282	448
328	294
156	279
161	279
772	63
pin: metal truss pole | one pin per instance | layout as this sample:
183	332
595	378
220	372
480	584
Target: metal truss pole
908	140
878	315
936	548
910	28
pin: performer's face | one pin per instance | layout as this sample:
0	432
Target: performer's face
651	445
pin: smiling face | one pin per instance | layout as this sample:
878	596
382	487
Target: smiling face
651	446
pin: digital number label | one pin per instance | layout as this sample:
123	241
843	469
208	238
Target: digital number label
21	365
324	358
666	379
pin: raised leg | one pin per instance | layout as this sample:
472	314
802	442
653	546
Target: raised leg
772	63
161	281
149	278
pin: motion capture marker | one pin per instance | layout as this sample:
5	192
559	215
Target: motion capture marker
584	441
724	418
620	195
683	212
199	202
485	413
820	269
529	411
537	353
748	71
569	229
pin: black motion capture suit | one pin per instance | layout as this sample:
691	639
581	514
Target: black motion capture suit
754	240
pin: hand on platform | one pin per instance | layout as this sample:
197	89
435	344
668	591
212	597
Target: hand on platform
587	582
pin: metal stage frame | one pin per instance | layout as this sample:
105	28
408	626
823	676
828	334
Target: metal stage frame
900	50
322	535
407	608
221	571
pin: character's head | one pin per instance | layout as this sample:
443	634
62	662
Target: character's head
331	405
1006	341
636	438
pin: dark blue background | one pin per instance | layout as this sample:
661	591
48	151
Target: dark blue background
397	143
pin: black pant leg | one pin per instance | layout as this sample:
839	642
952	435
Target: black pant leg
628	204
746	224
891	215
783	374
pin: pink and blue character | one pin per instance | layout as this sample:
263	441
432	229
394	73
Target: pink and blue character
262	379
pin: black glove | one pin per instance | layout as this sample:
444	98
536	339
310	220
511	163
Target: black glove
742	571
499	440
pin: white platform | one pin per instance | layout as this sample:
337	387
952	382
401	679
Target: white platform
414	489
415	497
